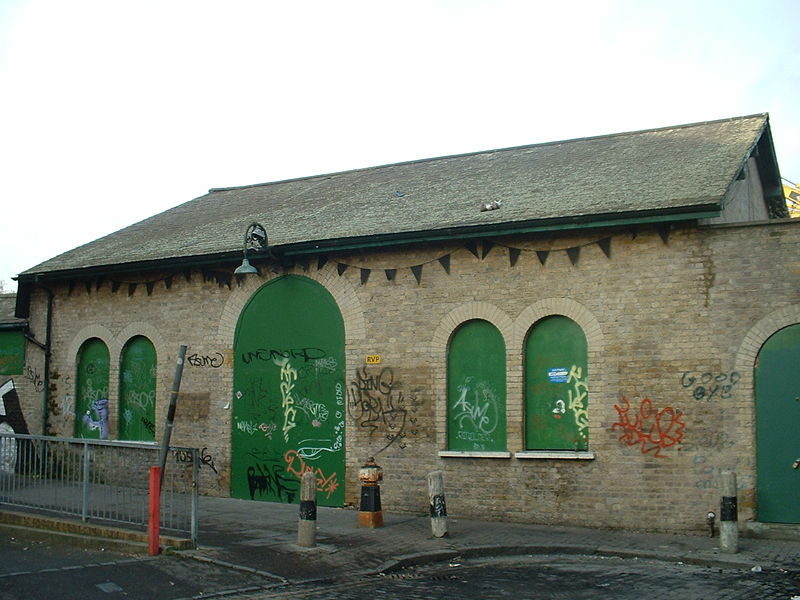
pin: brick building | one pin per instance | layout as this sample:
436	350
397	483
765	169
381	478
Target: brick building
570	331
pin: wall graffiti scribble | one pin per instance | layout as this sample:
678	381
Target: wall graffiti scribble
654	430
707	386
215	361
297	466
34	377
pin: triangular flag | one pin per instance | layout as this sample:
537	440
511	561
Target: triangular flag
487	247
341	268
472	247
365	275
543	254
303	262
70	285
573	254
321	262
417	270
168	282
131	289
663	231
513	255
605	246
187	274
88	285
390	273
115	286
150	285
98	284
445	262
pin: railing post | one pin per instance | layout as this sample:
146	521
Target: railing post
85	499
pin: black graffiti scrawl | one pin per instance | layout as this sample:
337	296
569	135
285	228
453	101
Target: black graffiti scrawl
11	421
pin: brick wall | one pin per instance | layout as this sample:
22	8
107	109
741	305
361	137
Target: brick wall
660	319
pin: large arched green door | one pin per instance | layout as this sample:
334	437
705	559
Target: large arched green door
91	390
777	391
137	391
288	387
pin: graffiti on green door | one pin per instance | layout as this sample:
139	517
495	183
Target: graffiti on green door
91	393
289	405
137	391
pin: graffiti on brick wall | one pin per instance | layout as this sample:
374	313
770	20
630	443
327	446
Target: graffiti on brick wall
187	456
34	377
215	361
376	403
707	476
653	430
710	386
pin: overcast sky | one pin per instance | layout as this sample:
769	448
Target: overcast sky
114	110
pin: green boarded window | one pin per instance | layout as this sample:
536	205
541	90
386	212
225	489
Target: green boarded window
556	386
137	391
476	388
12	352
91	391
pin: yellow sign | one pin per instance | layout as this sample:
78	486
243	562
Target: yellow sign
373	359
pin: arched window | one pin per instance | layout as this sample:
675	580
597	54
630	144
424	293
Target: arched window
556	386
91	390
476	388
137	390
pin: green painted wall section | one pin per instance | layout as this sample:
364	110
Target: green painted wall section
137	391
777	391
556	386
12	352
288	386
476	388
91	391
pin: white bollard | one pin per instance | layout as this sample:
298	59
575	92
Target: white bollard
437	504
728	517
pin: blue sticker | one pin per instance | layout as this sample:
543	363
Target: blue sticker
558	375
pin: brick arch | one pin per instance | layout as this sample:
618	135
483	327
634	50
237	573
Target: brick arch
343	293
145	330
560	306
90	331
759	333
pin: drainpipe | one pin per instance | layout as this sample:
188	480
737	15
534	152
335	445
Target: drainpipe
46	349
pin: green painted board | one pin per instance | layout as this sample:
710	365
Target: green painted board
137	391
476	388
777	392
556	386
12	352
91	391
288	386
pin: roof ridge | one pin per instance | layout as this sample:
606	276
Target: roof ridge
490	151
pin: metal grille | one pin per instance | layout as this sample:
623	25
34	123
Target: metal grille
98	479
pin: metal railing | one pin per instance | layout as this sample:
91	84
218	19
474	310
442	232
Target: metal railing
99	480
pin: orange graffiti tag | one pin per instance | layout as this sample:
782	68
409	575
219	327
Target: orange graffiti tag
297	466
654	429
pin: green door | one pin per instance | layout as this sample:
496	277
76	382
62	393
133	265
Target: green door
91	391
476	388
777	392
556	386
137	391
288	387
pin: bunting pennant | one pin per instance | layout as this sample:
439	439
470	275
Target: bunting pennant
417	270
445	262
341	268
663	231
573	254
131	289
605	246
543	254
168	282
513	255
98	284
115	286
472	246
303	262
390	273
149	286
365	275
487	247
187	274
88	286
70	286
321	262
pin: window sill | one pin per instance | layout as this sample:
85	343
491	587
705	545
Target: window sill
557	454
477	454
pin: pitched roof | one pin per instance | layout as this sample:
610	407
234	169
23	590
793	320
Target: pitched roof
669	173
7	318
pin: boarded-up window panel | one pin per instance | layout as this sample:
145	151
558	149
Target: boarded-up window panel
556	386
476	388
12	352
137	391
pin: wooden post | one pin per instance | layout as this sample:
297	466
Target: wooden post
154	516
307	526
437	504
728	518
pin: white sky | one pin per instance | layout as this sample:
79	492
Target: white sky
114	110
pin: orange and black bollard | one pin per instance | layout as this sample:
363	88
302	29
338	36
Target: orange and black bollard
370	514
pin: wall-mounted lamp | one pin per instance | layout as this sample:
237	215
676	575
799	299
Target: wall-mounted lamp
255	238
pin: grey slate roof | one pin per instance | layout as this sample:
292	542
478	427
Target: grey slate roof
672	170
7	307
